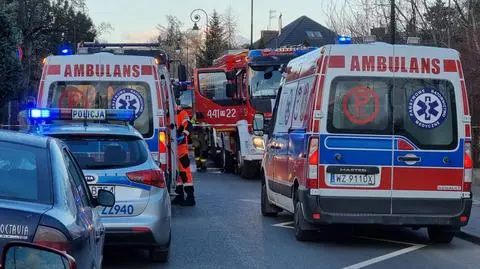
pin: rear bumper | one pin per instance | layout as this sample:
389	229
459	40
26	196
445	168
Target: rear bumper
378	213
151	228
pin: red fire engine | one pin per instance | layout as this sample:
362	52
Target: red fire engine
228	95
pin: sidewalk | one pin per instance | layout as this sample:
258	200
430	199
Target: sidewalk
471	232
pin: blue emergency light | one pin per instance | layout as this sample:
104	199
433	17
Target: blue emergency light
344	39
81	114
65	49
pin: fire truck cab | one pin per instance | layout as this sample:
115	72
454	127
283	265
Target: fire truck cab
228	95
117	76
371	134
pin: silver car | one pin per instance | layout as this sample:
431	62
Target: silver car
117	159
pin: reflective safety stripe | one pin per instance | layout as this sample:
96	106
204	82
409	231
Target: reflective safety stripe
388	193
187	133
187	184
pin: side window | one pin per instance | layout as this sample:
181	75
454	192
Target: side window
301	102
77	176
284	114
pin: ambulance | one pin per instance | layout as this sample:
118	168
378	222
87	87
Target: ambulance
370	134
117	76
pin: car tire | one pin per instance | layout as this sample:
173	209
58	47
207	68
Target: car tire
301	234
441	235
268	210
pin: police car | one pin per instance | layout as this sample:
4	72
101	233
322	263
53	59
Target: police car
371	134
44	199
115	157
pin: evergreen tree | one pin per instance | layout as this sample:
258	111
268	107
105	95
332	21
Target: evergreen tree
10	67
215	42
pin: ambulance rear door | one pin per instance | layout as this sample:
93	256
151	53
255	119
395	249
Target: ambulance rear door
428	131
356	138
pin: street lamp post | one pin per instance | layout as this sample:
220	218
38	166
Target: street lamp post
195	17
251	25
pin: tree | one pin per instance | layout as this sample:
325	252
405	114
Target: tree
230	24
214	42
10	68
171	36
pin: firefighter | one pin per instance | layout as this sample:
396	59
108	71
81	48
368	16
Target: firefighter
185	178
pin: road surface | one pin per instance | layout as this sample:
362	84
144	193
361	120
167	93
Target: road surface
226	230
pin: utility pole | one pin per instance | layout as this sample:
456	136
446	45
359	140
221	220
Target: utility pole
251	25
393	26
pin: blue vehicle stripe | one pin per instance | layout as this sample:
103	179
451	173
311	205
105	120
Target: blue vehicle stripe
359	143
153	142
121	180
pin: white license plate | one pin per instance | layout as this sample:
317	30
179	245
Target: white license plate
95	188
369	180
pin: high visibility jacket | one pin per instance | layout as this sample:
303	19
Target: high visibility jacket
184	128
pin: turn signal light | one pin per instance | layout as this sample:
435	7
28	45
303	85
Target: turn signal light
148	177
316	216
312	173
52	238
463	218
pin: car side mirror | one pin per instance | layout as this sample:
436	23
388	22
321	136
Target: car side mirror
30	255
105	198
258	124
231	90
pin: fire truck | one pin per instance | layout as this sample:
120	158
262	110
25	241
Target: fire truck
227	96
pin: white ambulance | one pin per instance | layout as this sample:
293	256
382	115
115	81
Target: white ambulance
371	134
118	79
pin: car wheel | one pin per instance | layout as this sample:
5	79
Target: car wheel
300	232
440	235
268	210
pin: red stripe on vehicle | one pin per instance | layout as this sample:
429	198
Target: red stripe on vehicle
449	66
468	131
460	69
155	75
385	181
426	179
324	66
311	103
40	92
44	72
336	62
147	70
53	69
320	64
159	96
466	110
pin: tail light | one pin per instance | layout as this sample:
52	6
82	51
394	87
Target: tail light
312	174
162	150
52	238
468	167
148	177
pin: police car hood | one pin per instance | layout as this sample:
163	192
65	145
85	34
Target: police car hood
19	220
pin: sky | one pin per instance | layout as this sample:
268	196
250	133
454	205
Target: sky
136	20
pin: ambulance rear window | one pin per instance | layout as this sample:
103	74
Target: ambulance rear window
106	94
360	105
421	110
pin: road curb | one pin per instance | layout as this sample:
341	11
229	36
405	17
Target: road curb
468	237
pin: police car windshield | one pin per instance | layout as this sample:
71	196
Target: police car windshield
22	166
263	82
107	152
106	95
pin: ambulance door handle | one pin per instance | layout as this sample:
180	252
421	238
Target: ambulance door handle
409	158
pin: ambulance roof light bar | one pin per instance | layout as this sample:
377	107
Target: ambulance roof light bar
344	39
117	45
81	114
369	39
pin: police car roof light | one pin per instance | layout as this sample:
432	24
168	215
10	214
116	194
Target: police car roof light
344	39
81	114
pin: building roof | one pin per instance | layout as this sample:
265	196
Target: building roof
302	31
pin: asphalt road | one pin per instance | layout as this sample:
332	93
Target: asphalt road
226	230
